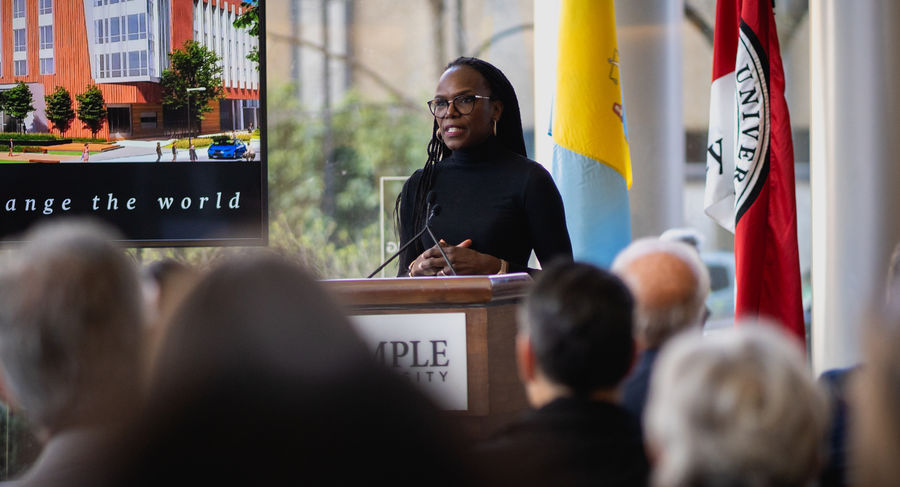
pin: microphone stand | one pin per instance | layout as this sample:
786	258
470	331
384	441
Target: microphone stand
441	249
407	244
427	228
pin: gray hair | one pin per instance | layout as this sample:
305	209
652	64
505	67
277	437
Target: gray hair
70	318
736	408
655	324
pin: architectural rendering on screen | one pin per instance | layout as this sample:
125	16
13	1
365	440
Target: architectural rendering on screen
128	81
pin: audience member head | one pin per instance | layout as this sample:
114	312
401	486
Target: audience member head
70	324
874	402
670	285
736	408
686	235
256	310
165	284
575	333
261	380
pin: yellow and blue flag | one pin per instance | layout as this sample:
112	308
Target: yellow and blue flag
591	163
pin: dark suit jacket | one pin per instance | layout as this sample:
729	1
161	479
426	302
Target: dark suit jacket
835	382
569	442
637	384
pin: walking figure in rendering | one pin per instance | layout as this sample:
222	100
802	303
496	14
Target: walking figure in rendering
158	152
10	146
85	153
174	151
193	153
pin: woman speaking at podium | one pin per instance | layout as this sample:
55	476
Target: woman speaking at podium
489	204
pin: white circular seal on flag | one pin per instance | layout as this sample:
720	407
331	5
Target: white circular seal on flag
751	148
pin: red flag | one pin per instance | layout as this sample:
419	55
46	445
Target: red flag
750	163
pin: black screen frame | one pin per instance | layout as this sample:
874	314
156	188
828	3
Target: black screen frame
146	224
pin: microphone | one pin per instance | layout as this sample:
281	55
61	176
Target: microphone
434	212
431	210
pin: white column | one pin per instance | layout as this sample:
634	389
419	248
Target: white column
650	57
546	39
854	171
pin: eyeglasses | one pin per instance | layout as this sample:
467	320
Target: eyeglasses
464	104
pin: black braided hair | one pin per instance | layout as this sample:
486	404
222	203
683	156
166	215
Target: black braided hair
509	134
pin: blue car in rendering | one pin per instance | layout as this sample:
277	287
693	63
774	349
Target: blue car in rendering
227	149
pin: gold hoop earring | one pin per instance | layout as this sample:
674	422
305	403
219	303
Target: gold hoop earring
495	128
437	134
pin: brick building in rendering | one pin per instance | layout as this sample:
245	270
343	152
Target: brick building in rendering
123	46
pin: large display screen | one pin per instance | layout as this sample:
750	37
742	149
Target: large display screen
149	115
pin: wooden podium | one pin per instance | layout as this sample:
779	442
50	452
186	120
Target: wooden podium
495	394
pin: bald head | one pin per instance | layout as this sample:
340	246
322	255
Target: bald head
669	283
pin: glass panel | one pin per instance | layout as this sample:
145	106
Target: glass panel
115	27
18	9
99	31
379	126
47	65
19	40
115	65
134	63
134	27
46	37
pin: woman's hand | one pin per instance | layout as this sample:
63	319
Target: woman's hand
465	261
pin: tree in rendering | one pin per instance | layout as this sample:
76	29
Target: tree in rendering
192	67
92	109
17	102
250	20
59	109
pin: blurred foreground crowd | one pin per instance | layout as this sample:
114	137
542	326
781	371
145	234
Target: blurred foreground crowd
249	373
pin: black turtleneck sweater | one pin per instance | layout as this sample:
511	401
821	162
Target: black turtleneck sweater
506	203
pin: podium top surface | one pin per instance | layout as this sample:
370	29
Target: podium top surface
432	291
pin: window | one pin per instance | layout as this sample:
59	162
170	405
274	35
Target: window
134	63
45	7
46	37
18	40
101	30
115	29
20	67
137	26
149	120
115	65
18	9
137	63
46	65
